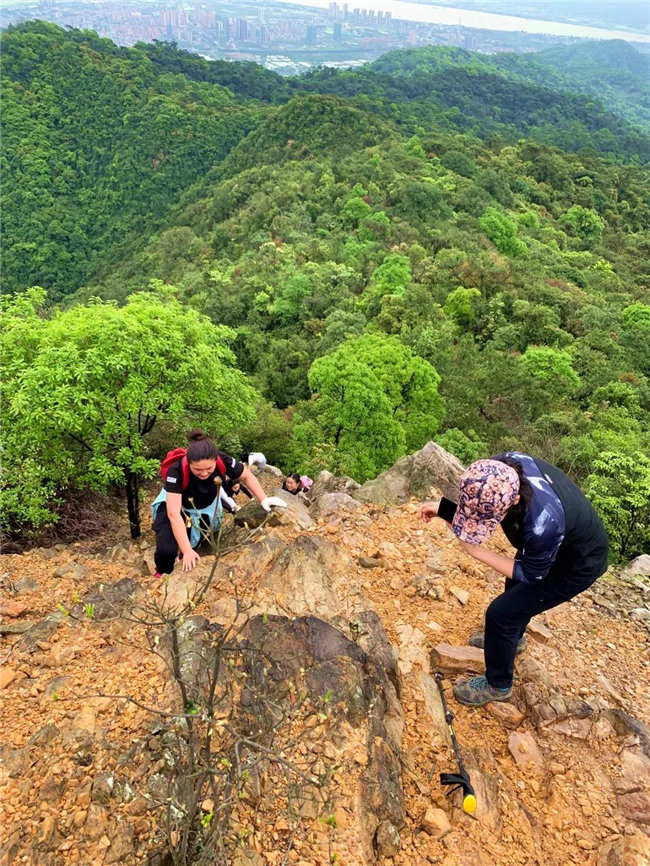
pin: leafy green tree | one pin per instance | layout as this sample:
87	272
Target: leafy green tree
619	488
551	369
467	447
585	224
502	232
461	307
398	390
350	414
458	162
83	390
392	277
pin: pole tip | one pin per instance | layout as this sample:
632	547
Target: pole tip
469	804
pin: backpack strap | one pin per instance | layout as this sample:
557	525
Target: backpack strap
185	468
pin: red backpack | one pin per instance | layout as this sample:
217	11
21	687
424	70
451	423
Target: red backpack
180	454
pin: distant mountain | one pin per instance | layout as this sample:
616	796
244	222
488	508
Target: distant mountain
613	71
101	142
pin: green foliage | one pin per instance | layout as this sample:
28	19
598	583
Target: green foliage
373	400
619	488
552	370
461	307
102	145
584	223
501	241
459	163
502	232
467	448
83	389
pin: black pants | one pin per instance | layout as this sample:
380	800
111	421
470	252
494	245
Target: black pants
166	544
509	614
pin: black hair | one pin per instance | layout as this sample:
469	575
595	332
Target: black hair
201	447
525	487
296	478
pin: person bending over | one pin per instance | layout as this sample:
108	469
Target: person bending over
561	550
191	495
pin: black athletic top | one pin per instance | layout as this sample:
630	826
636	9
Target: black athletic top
202	491
558	531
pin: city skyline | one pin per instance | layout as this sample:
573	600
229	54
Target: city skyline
290	36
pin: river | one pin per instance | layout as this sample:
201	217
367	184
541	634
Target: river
451	16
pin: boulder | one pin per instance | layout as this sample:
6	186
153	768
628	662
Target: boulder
421	475
635	806
308	576
507	714
317	657
333	503
434	707
436	822
110	600
638	566
328	483
626	725
41	631
295	514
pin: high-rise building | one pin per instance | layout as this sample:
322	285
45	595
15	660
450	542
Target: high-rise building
345	11
334	10
263	35
312	32
338	36
241	29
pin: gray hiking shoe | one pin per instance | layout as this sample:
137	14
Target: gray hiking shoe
478	640
477	691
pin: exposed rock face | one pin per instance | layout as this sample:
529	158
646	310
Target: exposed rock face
638	566
307	650
295	514
328	483
303	577
420	475
628	851
333	504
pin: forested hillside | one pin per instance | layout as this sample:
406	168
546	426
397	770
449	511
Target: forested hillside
439	245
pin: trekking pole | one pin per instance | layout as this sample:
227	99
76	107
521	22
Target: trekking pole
460	780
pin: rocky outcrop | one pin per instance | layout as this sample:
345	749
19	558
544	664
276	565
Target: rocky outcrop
295	514
329	504
328	483
638	566
282	658
421	475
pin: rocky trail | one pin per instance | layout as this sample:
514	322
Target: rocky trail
343	609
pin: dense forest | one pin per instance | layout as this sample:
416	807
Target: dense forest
332	269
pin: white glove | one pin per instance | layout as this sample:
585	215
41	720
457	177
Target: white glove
236	507
269	501
257	457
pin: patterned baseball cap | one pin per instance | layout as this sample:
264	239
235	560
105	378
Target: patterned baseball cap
488	488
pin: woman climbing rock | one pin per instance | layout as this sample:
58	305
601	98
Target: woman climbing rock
191	495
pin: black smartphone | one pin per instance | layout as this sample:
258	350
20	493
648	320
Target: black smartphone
447	509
